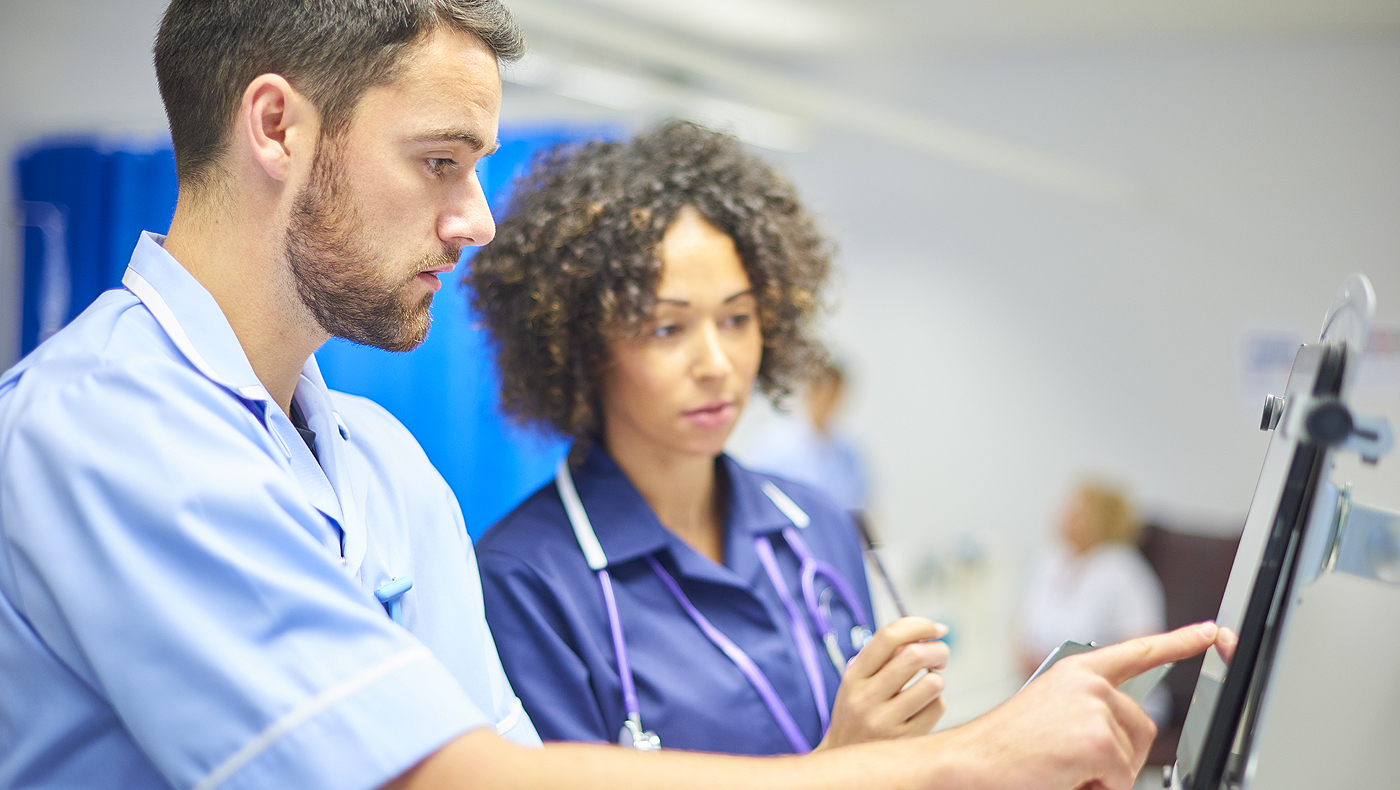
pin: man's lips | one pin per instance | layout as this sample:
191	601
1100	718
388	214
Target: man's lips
430	276
712	415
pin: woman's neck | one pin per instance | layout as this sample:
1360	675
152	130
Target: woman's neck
681	490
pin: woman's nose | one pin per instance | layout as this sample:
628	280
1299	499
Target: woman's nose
713	359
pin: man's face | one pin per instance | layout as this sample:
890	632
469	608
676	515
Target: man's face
392	200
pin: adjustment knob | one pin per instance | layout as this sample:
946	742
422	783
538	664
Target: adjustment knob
1329	422
1273	410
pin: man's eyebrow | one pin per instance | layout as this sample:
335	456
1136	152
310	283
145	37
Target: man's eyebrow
456	136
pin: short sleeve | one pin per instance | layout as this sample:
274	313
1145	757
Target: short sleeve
550	677
162	553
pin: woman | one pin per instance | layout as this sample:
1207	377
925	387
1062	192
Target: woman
1096	586
654	592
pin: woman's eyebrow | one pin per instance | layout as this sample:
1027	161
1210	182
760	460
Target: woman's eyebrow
686	302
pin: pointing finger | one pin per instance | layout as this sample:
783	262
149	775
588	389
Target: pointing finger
1118	663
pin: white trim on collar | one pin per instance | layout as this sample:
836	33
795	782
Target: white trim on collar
156	303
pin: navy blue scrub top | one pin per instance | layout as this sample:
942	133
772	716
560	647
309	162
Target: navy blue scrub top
546	612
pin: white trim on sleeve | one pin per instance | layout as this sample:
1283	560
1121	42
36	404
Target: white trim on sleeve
309	709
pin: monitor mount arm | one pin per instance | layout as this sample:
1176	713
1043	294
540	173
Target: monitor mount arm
1328	421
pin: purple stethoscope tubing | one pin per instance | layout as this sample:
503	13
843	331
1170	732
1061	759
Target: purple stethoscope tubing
801	634
811	568
741	659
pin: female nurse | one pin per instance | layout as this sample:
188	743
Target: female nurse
656	593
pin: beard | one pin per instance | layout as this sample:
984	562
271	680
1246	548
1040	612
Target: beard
336	274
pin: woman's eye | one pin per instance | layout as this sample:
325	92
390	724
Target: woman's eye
739	321
438	166
666	330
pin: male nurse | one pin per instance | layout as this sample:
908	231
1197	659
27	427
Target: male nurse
216	573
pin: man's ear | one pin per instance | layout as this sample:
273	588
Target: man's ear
279	125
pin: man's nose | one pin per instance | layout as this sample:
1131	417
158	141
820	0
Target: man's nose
467	221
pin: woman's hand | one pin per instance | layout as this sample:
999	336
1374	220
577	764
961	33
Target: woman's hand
873	703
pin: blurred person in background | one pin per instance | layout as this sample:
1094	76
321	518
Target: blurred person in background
810	450
1094	586
636	293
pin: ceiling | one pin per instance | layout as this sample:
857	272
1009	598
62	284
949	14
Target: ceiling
753	66
816	26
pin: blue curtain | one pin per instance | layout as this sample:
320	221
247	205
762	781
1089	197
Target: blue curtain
87	199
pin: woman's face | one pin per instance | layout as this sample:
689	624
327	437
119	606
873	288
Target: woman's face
1076	525
678	387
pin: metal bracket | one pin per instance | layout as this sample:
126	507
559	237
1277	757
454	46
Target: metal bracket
1371	437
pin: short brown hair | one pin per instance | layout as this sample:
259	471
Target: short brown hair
207	51
575	260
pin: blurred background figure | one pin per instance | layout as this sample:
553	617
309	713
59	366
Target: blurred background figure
1095	586
810	449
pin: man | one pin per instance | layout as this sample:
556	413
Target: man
215	573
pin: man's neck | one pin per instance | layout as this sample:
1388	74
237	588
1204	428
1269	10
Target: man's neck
242	266
681	490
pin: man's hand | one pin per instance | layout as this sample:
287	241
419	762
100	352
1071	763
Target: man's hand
1225	643
873	703
1071	727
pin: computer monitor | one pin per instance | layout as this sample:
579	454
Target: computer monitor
1286	531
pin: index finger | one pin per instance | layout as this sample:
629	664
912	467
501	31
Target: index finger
1118	663
889	639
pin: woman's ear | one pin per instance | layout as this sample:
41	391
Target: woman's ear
279	126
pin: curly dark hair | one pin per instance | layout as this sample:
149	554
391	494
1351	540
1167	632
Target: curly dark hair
575	263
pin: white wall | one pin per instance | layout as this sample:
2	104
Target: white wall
1003	339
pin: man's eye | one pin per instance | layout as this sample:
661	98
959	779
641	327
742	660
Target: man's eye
438	166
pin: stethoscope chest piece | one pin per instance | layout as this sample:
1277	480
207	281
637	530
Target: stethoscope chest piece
634	736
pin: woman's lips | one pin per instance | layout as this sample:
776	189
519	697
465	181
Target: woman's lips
712	415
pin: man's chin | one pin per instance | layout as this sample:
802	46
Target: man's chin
409	340
408	335
414	327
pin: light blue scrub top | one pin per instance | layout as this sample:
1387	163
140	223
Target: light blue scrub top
187	596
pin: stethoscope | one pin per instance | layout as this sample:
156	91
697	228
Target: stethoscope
817	612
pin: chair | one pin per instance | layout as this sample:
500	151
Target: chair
1193	570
